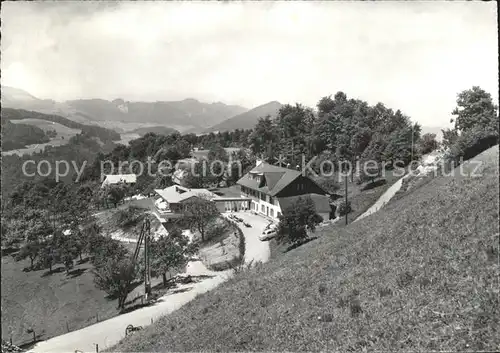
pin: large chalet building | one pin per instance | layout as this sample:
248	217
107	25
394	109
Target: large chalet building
271	189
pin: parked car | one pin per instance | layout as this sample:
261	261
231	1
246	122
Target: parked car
248	225
268	234
271	225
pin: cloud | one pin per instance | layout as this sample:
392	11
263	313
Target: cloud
411	56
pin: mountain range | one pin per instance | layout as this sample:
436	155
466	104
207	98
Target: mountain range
181	115
248	119
187	116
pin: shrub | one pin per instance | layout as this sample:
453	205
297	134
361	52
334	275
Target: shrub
129	216
470	143
368	174
344	208
428	143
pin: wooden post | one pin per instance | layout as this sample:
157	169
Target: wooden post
346	209
412	127
97	348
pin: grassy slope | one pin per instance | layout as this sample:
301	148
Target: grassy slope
46	303
361	201
64	133
421	274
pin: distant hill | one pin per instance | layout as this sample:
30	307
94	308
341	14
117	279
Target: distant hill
17	98
16	136
188	113
159	130
105	135
247	120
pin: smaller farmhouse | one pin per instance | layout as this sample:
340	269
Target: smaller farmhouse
170	201
113	179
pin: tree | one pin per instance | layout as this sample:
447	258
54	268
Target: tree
344	208
199	212
474	109
115	277
368	173
29	250
296	220
115	193
37	228
476	125
169	252
103	248
263	135
428	143
49	255
217	153
199	176
449	137
328	184
68	250
218	159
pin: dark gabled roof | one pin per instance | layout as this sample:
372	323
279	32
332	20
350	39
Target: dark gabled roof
272	178
321	202
277	178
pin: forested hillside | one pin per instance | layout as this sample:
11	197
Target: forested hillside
105	135
247	120
15	136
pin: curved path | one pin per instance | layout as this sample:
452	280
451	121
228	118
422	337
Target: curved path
427	166
386	196
255	250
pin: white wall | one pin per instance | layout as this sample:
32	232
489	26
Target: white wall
267	207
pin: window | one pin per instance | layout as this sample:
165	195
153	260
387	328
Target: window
262	209
263	196
271	212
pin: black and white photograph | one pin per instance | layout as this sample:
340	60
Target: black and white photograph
250	176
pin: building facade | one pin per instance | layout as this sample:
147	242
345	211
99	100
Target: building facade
271	188
114	179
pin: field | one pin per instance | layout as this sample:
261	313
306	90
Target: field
50	304
63	135
361	200
419	275
127	137
54	303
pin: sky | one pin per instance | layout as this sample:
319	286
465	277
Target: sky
414	56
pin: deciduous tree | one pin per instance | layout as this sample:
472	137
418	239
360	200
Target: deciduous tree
199	212
170	252
297	220
115	277
475	109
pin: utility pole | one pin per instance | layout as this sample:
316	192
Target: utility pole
346	209
147	268
412	127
